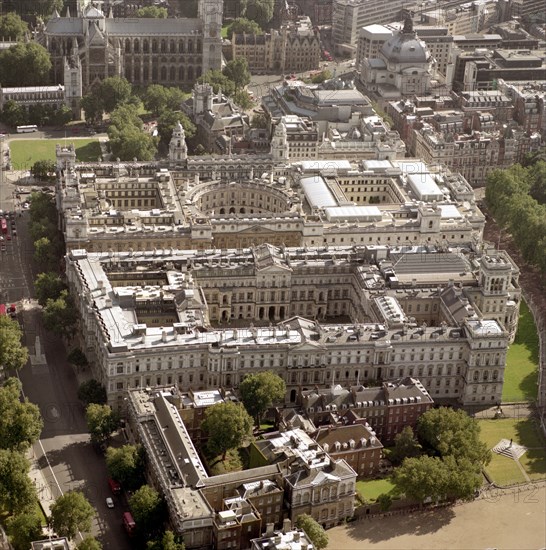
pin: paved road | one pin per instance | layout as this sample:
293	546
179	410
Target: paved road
74	463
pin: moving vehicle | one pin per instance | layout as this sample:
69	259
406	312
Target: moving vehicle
115	486
4	226
129	523
27	129
109	502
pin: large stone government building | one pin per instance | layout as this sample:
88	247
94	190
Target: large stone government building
145	51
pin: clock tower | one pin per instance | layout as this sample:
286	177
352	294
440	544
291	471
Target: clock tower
210	12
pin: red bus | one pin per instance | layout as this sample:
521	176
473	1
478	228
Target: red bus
115	487
129	523
4	225
2	309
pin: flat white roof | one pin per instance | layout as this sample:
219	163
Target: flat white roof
485	327
360	213
320	165
317	192
450	211
424	186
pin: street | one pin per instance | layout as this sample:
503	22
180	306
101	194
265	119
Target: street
71	462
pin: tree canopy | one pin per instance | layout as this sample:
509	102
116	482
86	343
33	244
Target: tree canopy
237	71
154	12
148	509
113	92
13	355
12	27
405	446
422	478
34	8
242	25
71	513
159	98
168	120
59	315
313	530
30	55
102	421
260	11
43	169
48	286
89	543
20	420
453	433
126	464
218	81
17	492
24	528
92	391
167	542
228	425
515	198
259	391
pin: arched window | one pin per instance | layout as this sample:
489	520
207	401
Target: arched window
163	73
154	46
190	73
172	74
163	46
154	73
190	46
172	47
181	73
136	46
198	72
146	46
181	48
145	73
127	45
198	46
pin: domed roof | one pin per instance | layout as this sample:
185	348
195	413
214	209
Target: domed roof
405	47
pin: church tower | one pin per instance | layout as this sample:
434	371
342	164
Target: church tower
279	144
73	80
178	149
210	12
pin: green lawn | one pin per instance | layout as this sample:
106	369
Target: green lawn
370	490
25	152
521	373
224	31
503	470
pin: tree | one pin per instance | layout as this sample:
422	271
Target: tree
102	421
218	81
259	391
385	502
241	25
132	143
126	464
405	446
167	121
43	169
113	92
89	543
228	426
537	174
30	55
168	542
154	12
463	479
77	358
71	513
16	490
452	433
237	71
313	530
92	107
24	528
13	114
44	253
20	420
48	286
158	98
422	478
321	77
260	11
42	207
92	391
13	355
34	8
12	27
243	99
60	316
259	120
148	510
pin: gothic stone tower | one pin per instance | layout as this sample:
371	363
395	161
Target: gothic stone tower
210	13
178	150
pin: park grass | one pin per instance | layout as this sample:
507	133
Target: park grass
521	372
503	470
224	31
233	463
371	489
25	152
